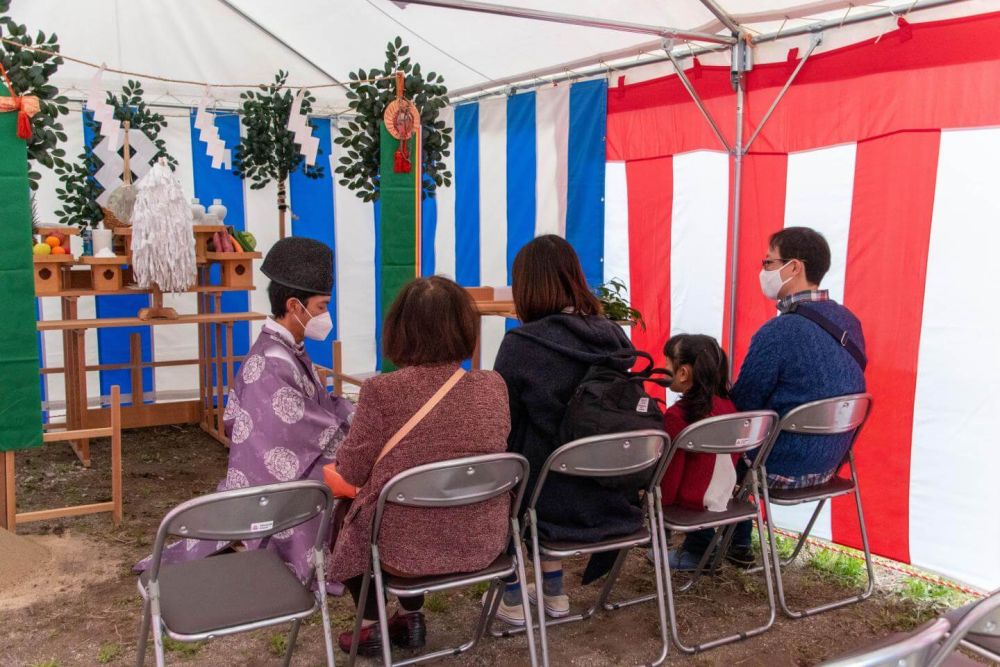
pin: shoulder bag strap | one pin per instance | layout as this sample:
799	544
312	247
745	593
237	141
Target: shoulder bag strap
840	335
421	413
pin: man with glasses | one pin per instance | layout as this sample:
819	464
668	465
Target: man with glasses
813	350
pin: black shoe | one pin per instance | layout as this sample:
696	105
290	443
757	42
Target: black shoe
741	557
408	630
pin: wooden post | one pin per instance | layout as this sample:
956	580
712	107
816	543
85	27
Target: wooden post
217	374
8	496
229	357
116	455
338	368
135	363
282	207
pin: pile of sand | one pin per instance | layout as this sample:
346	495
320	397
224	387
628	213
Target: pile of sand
20	558
32	569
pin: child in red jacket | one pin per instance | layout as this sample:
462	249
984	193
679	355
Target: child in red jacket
701	376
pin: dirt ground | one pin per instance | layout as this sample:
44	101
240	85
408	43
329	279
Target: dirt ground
81	606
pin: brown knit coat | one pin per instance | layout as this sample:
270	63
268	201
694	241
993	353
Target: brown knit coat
472	419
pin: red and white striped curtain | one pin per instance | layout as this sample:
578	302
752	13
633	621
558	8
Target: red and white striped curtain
890	148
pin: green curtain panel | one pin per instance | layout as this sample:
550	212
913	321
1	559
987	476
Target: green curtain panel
398	234
20	396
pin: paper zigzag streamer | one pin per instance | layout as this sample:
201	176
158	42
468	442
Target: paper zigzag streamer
299	125
215	146
103	112
110	175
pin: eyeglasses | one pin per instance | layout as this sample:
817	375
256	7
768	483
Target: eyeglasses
768	262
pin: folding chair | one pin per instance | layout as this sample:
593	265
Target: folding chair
605	456
975	627
242	591
914	649
738	433
452	483
843	414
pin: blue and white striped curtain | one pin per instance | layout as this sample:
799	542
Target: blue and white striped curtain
525	165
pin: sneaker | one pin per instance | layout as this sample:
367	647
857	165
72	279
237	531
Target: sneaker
556	606
510	614
369	643
684	561
408	630
741	556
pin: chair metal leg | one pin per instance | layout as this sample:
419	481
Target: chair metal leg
325	616
161	659
525	606
292	636
383	616
778	564
140	651
769	587
799	544
536	559
659	564
359	619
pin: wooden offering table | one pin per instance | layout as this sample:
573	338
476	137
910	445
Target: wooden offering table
490	302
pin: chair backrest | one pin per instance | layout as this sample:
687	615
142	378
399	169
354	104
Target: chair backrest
982	619
912	650
613	455
242	514
455	483
829	416
729	434
841	414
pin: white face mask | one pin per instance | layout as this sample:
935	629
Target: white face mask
318	327
771	282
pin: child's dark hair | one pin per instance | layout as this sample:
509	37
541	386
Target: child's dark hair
709	372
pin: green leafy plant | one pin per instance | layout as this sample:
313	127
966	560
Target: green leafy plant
840	568
370	92
29	72
109	653
278	644
79	191
268	151
183	648
613	296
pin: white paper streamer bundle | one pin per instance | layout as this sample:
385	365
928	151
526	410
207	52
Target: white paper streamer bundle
162	241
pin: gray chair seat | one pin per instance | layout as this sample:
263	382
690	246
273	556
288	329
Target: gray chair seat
674	515
989	642
639	536
837	486
416	585
228	590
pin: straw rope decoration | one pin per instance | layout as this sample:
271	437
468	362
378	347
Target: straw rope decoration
155	77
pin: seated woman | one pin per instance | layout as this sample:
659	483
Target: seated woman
697	481
564	332
282	423
428	332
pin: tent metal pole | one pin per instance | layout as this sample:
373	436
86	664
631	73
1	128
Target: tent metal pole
572	19
738	152
817	38
820	26
599	65
697	100
723	17
251	20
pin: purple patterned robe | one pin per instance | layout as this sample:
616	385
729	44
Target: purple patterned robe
283	425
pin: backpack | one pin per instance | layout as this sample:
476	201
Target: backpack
609	400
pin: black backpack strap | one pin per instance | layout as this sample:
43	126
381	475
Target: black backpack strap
840	335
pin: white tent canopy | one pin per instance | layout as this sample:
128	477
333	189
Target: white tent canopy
321	41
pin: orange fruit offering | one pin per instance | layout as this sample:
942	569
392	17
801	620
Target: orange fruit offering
58	250
53	241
